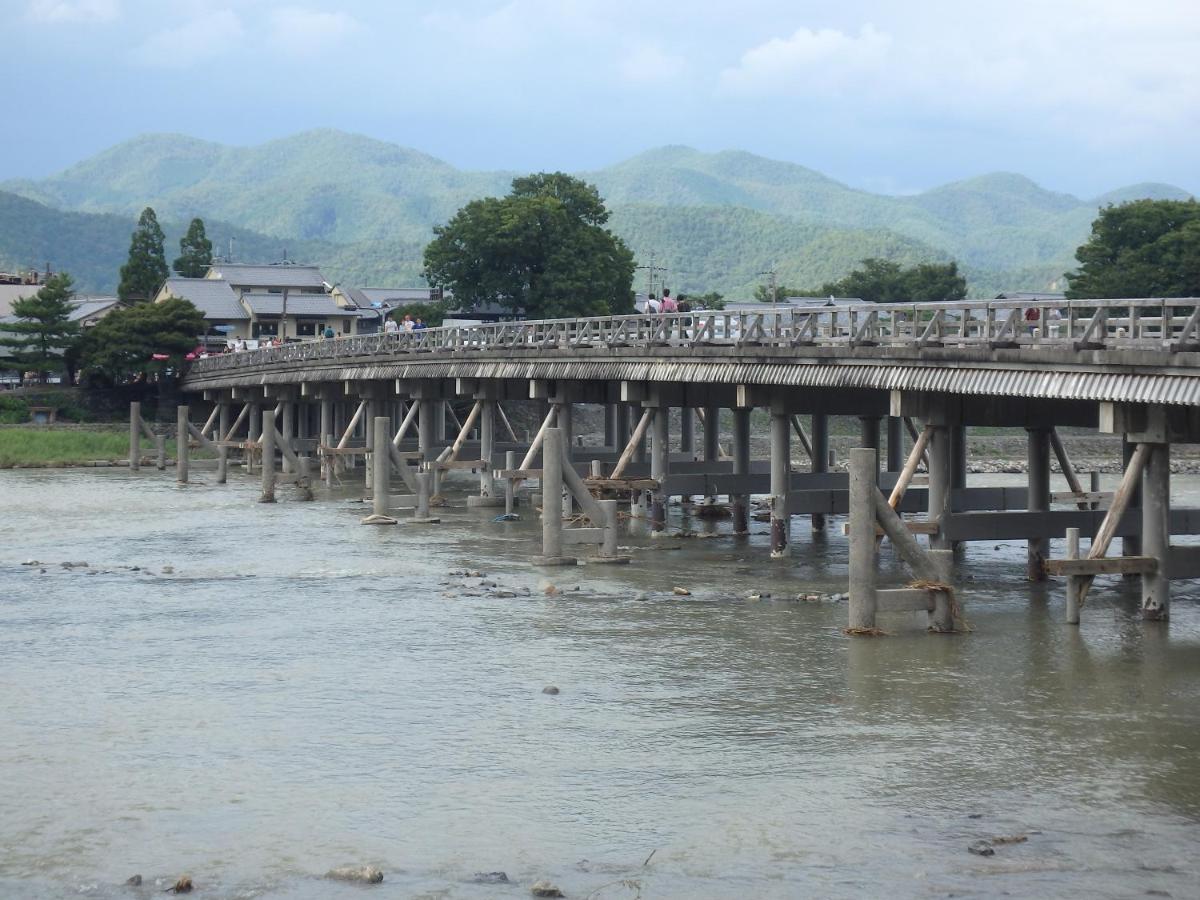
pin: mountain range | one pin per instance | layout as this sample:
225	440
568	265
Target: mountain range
363	209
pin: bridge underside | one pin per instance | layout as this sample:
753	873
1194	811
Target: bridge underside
664	436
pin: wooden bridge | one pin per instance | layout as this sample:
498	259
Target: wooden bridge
917	376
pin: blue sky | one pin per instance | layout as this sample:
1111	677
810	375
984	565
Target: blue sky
1081	95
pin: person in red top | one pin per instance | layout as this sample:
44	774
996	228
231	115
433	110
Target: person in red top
668	302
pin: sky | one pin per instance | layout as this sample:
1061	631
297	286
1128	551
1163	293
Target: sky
1081	95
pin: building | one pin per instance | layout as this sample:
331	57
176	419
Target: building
252	302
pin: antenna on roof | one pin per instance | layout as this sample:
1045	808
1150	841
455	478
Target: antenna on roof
231	248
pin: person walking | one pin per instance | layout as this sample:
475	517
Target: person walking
668	304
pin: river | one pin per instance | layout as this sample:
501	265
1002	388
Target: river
303	692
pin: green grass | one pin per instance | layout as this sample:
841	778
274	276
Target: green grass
30	446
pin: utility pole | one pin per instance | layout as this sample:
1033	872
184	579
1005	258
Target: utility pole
651	271
283	319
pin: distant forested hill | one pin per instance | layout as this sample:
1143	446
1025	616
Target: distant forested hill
364	209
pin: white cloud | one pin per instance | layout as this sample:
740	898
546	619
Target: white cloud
809	61
650	64
299	28
204	37
55	11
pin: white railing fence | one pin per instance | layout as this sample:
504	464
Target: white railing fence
1145	323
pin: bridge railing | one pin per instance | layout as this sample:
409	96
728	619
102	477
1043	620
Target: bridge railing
1145	323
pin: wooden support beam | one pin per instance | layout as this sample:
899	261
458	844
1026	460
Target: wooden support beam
910	467
354	420
1108	528
803	436
1068	470
512	435
634	440
450	454
409	418
1107	565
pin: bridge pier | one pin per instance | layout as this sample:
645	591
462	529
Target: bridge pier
781	473
1038	441
268	457
895	443
182	438
741	466
222	432
660	450
1156	532
552	489
820	456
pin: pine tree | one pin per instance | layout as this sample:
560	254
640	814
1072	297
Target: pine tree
146	270
42	328
195	252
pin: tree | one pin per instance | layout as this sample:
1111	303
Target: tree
146	270
886	281
124	343
195	252
42	328
762	292
542	250
1144	248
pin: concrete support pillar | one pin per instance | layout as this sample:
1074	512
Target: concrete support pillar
430	413
222	450
135	436
268	457
958	456
181	444
1131	545
939	481
510	491
552	488
1073	581
566	425
660	448
487	441
1039	498
1156	532
253	431
895	443
441	413
160	447
687	430
288	429
325	434
741	466
781	473
381	465
820	460
610	427
869	430
369	416
863	570
712	433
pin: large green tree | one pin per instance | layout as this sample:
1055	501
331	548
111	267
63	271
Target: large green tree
42	330
124	343
543	249
1144	248
195	252
886	281
146	269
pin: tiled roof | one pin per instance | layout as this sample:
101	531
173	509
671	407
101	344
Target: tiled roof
268	276
315	305
213	297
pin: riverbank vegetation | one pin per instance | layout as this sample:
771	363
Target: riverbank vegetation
63	447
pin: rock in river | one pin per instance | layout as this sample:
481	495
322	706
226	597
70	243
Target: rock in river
545	889
361	874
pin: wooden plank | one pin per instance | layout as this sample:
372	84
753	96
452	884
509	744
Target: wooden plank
914	526
1018	526
903	600
459	464
1115	565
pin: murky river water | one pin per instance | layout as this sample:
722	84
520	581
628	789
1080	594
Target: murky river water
304	692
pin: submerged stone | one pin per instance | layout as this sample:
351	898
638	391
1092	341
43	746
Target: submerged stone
361	874
545	889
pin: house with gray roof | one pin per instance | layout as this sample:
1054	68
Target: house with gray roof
217	301
270	279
